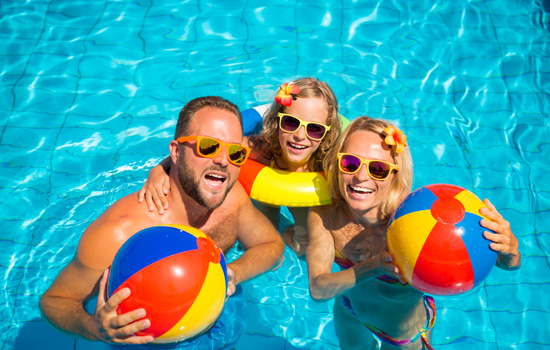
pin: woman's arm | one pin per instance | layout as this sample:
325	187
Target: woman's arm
323	284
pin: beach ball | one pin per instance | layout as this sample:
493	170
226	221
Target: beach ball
437	241
177	274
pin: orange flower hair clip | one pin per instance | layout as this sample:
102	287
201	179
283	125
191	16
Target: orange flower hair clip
285	95
395	139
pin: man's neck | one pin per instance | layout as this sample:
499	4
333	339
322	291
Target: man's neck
186	208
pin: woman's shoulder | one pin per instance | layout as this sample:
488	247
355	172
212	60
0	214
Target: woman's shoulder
328	214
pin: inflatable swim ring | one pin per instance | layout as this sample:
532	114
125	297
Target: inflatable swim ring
278	187
252	119
283	188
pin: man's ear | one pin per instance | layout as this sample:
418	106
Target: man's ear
174	151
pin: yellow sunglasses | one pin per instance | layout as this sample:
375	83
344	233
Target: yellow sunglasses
208	147
377	169
290	124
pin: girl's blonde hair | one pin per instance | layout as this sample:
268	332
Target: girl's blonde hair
268	139
401	182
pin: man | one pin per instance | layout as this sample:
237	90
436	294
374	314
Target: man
204	194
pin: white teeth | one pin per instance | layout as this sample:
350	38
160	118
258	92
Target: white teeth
361	189
297	146
216	176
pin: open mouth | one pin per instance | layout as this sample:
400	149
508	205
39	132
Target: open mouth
296	147
360	190
215	180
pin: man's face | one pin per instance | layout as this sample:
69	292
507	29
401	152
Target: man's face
209	180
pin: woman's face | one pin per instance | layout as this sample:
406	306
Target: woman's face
362	193
297	148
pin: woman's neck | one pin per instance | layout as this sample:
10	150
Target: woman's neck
368	218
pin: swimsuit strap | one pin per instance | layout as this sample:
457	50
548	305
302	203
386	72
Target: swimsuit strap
342	261
391	280
429	304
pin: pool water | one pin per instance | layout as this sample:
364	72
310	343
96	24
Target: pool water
91	92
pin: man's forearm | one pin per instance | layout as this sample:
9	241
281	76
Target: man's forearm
68	316
257	260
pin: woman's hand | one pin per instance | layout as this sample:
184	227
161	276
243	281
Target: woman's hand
502	239
381	264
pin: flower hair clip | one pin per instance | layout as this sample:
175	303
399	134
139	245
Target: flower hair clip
286	93
395	139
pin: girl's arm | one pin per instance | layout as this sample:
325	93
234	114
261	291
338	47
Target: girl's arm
157	186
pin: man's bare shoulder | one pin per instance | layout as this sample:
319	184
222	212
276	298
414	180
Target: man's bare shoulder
102	239
237	197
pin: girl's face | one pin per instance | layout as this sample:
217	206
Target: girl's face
362	193
296	147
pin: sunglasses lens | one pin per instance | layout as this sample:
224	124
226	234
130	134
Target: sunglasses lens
379	170
349	163
237	154
289	123
209	147
315	131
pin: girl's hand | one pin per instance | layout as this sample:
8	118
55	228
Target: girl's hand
155	190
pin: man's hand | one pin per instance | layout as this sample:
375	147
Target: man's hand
230	282
118	329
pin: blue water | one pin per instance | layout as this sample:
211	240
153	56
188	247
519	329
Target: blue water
90	92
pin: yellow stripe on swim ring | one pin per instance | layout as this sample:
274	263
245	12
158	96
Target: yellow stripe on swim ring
278	187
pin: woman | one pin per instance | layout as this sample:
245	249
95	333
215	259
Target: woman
369	173
298	130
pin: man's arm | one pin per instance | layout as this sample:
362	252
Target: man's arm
263	244
63	303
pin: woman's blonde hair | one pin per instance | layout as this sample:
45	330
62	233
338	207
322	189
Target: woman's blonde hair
401	183
268	139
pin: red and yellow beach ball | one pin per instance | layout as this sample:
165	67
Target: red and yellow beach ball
177	274
437	240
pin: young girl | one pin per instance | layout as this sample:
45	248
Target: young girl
298	130
370	172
